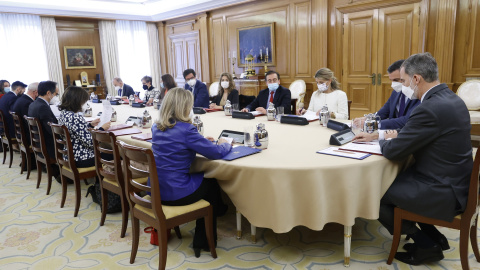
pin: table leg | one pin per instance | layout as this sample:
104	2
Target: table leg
239	225
347	245
254	234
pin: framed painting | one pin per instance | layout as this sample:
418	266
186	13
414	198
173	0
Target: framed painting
256	41
79	57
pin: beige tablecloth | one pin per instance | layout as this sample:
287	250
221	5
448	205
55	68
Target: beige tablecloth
289	184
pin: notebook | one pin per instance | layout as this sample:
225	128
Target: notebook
127	131
118	127
143	137
240	151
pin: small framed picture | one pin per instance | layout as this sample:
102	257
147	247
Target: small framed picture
78	83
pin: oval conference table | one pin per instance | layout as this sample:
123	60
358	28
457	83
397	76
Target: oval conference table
289	184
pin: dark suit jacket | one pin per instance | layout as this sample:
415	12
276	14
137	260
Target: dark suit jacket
233	97
6	104
389	115
127	90
437	134
41	110
200	95
21	108
282	97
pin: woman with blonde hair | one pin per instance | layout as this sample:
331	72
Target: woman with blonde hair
329	94
175	143
226	92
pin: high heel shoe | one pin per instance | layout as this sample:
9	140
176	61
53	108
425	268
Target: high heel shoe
197	252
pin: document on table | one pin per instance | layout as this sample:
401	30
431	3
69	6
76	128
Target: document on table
335	151
106	114
256	113
310	116
364	147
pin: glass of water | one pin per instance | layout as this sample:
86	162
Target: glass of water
280	112
248	136
235	107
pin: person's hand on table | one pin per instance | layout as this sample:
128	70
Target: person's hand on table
301	111
245	110
150	101
95	122
106	126
359	121
365	137
261	110
222	140
317	113
391	134
210	138
214	106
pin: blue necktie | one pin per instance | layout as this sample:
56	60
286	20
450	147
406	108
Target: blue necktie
401	110
119	92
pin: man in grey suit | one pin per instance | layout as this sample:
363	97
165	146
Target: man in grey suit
437	134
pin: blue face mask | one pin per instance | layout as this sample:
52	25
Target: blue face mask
272	86
7	89
161	85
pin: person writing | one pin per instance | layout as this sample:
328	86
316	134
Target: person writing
150	91
175	143
329	94
226	92
73	101
275	93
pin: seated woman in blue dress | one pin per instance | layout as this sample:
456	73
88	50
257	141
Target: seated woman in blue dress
74	100
175	143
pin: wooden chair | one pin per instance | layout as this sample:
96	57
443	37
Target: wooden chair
465	222
68	168
298	89
349	106
8	142
213	90
150	209
39	148
23	143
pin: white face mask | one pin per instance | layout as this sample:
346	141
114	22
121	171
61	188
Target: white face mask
55	100
7	89
117	88
85	107
322	87
272	86
192	82
225	84
397	86
409	92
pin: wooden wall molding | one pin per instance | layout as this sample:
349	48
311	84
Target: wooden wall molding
370	4
445	33
319	34
204	55
163	48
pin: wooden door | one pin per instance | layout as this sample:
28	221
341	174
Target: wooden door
372	40
184	53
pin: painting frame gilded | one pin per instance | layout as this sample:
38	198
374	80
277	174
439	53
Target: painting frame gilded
251	39
79	57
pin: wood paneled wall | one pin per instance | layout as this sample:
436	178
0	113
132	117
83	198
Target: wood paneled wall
79	33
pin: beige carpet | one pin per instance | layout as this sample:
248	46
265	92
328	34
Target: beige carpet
35	233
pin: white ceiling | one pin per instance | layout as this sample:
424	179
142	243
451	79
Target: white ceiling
143	10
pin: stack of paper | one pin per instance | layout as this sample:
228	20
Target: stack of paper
335	151
364	147
310	116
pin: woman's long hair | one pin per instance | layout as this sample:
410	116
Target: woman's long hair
176	106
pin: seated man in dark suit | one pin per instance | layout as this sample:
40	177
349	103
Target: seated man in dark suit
437	134
40	109
198	89
6	104
21	109
275	93
122	89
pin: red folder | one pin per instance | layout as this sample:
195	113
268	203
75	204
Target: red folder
213	110
127	131
118	127
143	136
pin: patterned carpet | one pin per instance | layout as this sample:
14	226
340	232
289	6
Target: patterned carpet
35	233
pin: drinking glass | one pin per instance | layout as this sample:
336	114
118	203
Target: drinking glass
280	112
235	107
248	136
356	128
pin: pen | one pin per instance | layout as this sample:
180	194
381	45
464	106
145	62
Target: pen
344	152
363	143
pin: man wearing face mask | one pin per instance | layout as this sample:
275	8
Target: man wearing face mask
437	134
198	89
7	102
4	87
275	93
150	91
21	105
396	111
122	89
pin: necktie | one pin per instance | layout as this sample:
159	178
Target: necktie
271	97
401	110
120	91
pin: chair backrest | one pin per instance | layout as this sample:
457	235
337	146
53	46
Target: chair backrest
37	140
20	130
4	131
213	90
469	92
142	156
297	89
63	147
472	202
104	143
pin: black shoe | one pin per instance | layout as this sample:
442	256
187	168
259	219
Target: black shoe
408	246
442	241
222	210
417	255
197	252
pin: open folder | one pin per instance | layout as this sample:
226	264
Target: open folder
240	151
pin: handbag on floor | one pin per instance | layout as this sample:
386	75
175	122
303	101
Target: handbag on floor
153	235
114	202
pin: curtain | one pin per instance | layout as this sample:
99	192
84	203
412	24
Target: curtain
109	48
154	49
50	41
22	49
133	50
